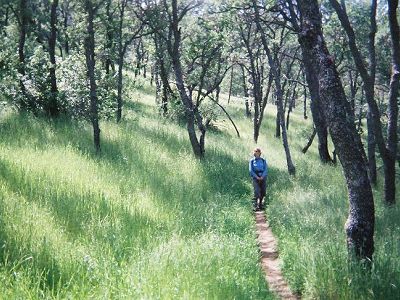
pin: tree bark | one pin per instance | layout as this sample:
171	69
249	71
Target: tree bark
393	109
90	63
371	148
277	123
360	222
360	113
310	69
305	103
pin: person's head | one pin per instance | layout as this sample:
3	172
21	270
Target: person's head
257	152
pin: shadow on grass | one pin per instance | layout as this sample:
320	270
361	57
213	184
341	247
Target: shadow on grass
222	175
42	267
76	212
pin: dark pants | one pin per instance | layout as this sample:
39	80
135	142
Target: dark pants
259	188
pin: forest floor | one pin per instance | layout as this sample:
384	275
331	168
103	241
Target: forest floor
270	261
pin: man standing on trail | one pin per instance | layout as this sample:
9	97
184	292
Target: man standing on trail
258	169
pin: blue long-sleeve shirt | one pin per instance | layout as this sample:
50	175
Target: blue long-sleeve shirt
258	167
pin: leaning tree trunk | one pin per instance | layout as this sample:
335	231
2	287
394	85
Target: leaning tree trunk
361	219
53	108
197	146
173	49
90	63
310	140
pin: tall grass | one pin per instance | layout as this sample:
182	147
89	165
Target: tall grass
308	212
146	220
142	220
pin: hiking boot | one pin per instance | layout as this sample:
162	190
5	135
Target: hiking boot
255	204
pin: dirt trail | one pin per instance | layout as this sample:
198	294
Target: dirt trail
270	261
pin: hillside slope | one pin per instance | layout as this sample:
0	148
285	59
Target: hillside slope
147	220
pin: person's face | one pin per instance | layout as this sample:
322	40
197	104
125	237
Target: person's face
257	153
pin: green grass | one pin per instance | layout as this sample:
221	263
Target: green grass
143	220
146	220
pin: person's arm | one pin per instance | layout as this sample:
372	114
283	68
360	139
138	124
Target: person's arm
251	171
265	172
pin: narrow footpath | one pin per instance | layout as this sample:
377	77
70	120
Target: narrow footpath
270	261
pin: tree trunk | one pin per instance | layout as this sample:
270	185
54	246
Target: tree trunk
393	109
189	110
26	102
119	85
310	141
265	98
277	123
157	80
316	112
291	103
230	86
305	104
245	92
191	114
90	63
121	53
256	80
360	111
279	92
369	82
371	149
163	72
66	37
310	69
109	37
53	108
360	222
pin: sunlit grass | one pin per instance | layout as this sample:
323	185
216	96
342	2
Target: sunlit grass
146	220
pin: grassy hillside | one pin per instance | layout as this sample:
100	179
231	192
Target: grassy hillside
147	220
